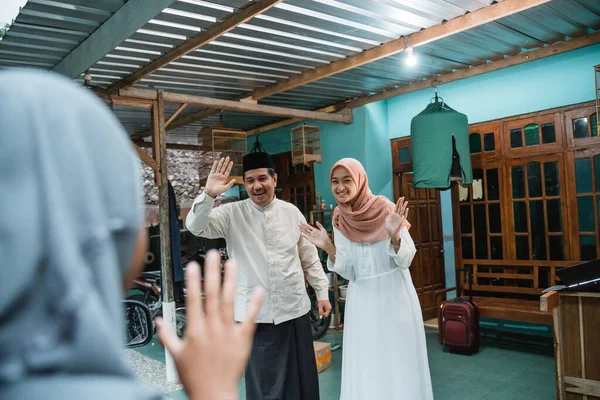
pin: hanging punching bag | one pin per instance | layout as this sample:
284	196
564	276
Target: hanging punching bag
440	147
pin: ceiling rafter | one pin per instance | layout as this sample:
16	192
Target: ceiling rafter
239	106
203	38
437	32
440	31
521	58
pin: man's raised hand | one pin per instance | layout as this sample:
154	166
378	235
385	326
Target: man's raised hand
217	184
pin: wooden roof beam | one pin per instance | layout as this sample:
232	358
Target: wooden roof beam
232	105
203	38
286	122
175	146
146	158
522	58
437	32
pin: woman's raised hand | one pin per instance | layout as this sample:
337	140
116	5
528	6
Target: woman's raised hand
395	220
317	236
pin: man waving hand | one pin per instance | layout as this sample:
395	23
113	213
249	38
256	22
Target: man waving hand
262	235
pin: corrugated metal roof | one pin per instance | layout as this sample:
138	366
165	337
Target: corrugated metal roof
288	39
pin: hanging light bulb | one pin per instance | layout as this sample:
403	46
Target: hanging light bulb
411	60
87	79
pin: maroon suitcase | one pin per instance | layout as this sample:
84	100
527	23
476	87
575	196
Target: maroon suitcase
459	324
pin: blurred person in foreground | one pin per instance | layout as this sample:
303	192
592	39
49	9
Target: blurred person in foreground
71	240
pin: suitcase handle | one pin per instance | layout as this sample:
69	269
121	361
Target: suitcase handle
468	272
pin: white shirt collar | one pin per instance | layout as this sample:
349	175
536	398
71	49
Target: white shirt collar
267	207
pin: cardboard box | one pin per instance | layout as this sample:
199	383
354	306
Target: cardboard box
322	355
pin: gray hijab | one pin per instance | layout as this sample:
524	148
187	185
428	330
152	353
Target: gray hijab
70	213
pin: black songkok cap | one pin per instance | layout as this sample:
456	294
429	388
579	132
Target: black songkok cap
257	158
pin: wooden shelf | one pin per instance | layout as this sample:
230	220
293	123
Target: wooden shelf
306	158
306	140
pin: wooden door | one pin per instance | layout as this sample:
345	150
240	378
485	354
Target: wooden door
427	269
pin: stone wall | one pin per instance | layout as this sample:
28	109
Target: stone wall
185	168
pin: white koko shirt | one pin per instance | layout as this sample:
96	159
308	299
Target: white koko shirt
270	252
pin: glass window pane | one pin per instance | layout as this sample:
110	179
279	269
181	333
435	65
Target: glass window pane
488	142
583	175
496	247
538	230
292	191
597	172
554	214
475	143
532	135
308	189
467	248
585	209
481	234
551	178
594	122
495	218
518	182
404	154
300	204
548	133
300	190
580	128
465	219
520	211
516	139
493	186
522	244
556	248
534	179
587	247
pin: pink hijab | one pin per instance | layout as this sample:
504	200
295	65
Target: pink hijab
365	221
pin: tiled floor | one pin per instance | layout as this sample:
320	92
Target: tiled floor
497	372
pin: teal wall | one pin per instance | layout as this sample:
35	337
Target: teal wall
556	81
378	151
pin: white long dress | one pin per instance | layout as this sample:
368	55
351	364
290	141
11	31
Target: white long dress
384	352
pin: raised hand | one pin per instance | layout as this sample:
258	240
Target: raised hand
216	184
395	220
215	349
318	237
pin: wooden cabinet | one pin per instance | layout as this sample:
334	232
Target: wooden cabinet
537	203
576	322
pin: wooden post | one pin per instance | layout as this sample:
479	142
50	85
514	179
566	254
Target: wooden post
156	142
166	262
